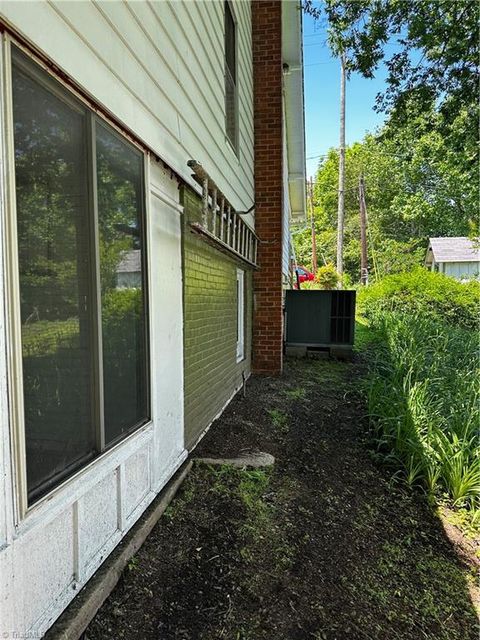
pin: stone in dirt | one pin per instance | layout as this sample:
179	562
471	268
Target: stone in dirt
253	460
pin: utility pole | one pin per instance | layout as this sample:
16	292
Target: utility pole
312	220
363	232
341	171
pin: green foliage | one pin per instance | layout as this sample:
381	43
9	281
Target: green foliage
310	285
416	187
46	336
298	393
434	62
120	304
423	401
421	169
327	277
279	419
423	292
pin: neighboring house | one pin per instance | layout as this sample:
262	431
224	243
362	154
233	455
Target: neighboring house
455	257
129	270
151	153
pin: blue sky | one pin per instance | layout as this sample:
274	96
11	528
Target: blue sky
322	97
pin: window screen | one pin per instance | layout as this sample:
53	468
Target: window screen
120	209
68	242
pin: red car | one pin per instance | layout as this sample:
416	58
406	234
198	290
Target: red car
304	274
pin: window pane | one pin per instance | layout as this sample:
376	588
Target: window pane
230	109
230	77
53	250
230	45
120	215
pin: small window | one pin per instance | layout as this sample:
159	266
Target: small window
231	116
240	315
80	230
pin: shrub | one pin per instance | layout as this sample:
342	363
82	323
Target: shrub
423	292
327	277
309	285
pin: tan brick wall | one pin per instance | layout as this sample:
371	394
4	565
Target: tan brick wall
210	326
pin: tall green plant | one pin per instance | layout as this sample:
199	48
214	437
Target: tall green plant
424	403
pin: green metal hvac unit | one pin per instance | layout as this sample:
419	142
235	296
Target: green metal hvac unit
319	318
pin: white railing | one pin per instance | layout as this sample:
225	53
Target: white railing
221	225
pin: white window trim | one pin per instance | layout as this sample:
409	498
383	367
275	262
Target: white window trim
240	315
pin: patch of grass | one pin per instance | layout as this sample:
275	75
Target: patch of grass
467	521
405	582
45	337
298	393
366	336
250	490
183	498
279	419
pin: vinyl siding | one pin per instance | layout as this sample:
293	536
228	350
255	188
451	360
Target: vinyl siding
461	270
158	68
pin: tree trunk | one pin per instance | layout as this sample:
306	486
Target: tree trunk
363	233
314	239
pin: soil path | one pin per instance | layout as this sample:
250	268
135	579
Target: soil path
324	545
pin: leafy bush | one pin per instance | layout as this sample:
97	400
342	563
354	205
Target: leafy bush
423	400
119	305
423	292
327	277
309	285
123	356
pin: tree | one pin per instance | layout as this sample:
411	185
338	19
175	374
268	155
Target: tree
437	56
415	188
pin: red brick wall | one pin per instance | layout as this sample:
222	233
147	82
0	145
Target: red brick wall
268	115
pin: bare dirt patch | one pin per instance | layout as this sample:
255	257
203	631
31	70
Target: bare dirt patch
323	545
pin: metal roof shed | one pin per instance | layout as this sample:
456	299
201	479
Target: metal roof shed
458	257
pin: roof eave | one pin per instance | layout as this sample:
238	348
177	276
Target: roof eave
292	55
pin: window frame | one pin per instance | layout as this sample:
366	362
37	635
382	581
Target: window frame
234	144
240	321
37	71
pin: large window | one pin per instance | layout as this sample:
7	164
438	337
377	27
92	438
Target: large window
231	101
81	256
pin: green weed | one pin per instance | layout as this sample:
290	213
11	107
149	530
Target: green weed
298	393
184	497
279	418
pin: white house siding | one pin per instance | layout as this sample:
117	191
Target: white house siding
461	270
46	557
159	68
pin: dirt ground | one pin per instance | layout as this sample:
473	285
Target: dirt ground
325	545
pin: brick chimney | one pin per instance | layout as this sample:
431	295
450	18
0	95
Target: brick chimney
268	166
